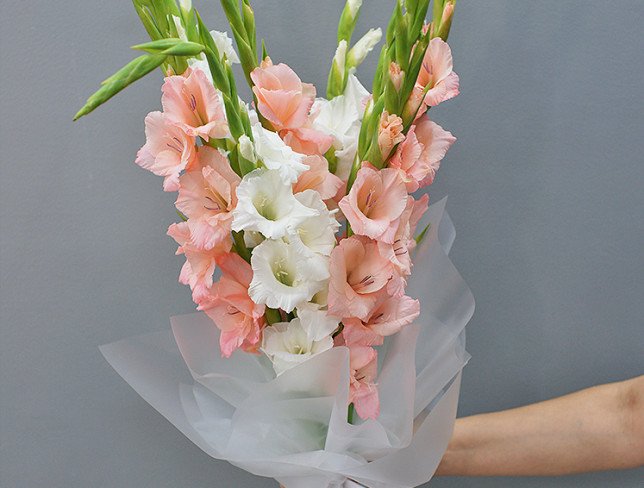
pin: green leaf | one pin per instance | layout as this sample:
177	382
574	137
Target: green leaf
127	75
231	9
421	236
148	21
171	47
264	50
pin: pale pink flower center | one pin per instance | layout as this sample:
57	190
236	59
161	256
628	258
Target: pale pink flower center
368	201
400	248
175	144
361	285
214	201
198	109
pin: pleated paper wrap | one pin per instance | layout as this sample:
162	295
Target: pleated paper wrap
294	428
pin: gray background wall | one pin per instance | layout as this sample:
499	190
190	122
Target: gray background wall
545	188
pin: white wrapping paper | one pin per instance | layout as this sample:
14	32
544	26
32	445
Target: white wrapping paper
294	428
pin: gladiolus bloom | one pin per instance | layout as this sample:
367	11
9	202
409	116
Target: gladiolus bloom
207	196
358	272
167	150
374	203
281	96
191	102
239	318
419	156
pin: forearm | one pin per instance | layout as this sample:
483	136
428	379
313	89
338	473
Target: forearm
600	428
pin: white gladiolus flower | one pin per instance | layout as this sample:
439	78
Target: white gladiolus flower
315	234
360	49
314	238
265	203
276	155
225	46
316	322
341	118
282	277
287	344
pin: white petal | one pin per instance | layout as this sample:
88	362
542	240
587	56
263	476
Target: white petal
316	322
341	118
266	204
275	154
354	6
281	277
315	234
181	32
225	45
360	49
287	345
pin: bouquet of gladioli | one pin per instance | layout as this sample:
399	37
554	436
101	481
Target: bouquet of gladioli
298	227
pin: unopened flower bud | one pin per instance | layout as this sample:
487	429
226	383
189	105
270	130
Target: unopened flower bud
359	51
390	133
396	75
348	19
442	31
354	6
246	149
336	82
225	46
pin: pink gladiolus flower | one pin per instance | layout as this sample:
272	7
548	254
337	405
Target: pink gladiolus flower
199	268
281	96
306	140
207	196
358	272
419	156
239	318
436	142
436	72
191	102
167	151
390	133
399	252
387	318
318	178
375	202
363	392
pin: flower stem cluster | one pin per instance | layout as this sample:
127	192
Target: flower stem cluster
395	84
262	191
347	58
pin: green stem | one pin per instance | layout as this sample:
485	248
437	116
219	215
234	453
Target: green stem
351	413
240	245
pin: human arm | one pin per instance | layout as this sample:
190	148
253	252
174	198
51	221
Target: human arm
600	428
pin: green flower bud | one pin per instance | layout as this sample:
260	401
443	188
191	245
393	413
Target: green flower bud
359	51
348	20
337	75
